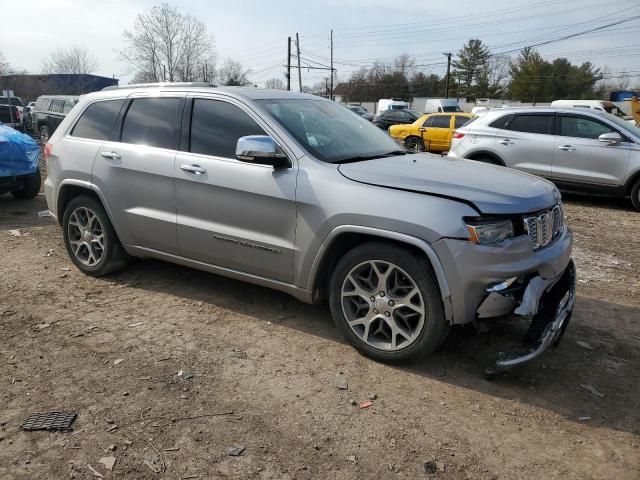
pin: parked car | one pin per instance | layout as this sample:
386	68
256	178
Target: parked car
430	133
394	117
602	105
292	192
360	110
578	149
385	104
49	111
13	117
440	105
19	155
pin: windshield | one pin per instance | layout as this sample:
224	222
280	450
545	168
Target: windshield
357	109
625	125
329	132
451	108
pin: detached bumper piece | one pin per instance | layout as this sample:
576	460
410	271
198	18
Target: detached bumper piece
548	304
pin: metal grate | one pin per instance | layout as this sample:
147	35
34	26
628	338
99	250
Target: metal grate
545	227
49	421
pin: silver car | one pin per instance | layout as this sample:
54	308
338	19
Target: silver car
297	193
577	149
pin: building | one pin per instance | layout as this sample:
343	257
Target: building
30	87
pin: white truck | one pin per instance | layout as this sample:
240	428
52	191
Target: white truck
385	104
440	105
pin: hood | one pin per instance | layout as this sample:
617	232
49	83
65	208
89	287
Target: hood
491	189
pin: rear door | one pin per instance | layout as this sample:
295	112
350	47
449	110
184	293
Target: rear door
232	214
437	135
580	157
527	143
135	171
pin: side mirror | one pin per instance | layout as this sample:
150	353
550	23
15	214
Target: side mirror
612	138
262	150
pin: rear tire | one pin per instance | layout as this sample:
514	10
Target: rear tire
30	187
386	303
414	143
90	239
43	133
635	196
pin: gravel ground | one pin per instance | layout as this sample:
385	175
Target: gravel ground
168	368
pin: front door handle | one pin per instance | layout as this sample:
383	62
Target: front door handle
196	169
111	155
506	141
567	148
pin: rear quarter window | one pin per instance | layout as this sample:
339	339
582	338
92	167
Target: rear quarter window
97	121
501	122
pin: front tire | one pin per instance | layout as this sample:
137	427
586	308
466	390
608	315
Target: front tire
90	239
386	303
414	143
635	196
30	187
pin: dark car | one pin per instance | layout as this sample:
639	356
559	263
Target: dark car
394	117
360	110
48	113
12	116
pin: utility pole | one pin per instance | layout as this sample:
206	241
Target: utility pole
289	63
446	91
458	89
331	65
299	69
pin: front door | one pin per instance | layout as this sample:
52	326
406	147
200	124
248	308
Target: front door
230	213
135	172
527	143
580	157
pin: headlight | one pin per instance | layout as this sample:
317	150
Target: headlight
490	232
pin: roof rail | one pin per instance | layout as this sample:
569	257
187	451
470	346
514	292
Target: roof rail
161	84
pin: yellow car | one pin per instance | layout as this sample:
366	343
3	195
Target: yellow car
430	133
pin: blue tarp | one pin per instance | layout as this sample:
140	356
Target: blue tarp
19	153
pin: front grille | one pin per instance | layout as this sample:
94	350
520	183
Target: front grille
545	226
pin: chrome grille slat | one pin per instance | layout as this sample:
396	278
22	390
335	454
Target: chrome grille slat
545	226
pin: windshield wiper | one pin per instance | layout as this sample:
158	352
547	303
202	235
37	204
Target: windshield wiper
361	158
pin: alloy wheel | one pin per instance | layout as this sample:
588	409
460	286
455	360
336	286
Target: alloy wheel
383	305
44	134
86	236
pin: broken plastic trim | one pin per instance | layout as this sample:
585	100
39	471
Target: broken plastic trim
557	306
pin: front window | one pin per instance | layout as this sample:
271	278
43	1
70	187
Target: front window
624	125
328	131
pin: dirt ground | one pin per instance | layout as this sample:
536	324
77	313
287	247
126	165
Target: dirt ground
168	368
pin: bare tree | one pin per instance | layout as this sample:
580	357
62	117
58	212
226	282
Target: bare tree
275	83
5	68
167	45
232	73
76	59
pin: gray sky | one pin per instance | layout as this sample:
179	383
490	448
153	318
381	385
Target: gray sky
255	32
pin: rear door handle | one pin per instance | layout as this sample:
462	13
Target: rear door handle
567	148
506	141
196	169
111	155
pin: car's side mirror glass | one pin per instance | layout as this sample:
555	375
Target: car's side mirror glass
262	150
611	138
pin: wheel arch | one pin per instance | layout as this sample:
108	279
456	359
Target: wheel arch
485	153
633	179
70	189
343	239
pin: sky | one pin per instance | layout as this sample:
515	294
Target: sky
255	32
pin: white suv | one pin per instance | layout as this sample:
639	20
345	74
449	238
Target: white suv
580	150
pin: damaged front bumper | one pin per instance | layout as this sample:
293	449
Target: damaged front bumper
547	304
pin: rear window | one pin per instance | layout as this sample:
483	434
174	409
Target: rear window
501	122
151	122
541	124
14	101
97	120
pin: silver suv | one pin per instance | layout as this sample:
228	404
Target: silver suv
578	149
297	193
